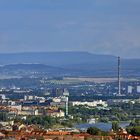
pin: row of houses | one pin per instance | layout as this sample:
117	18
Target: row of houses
64	135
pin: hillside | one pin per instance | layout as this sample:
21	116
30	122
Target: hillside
68	63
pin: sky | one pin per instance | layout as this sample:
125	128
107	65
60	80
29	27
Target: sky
96	26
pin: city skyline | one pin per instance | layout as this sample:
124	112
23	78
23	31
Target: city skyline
99	27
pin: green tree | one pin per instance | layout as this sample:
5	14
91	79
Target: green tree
94	131
115	126
135	131
3	116
135	122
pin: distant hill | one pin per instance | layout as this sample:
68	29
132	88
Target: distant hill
68	63
31	67
53	58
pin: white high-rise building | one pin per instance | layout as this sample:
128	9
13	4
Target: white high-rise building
29	97
66	92
130	89
138	89
66	100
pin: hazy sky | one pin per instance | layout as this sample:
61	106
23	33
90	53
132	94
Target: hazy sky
97	26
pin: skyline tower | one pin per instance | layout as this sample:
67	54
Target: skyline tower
119	82
66	100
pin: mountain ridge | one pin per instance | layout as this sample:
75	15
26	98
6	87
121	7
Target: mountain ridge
51	58
70	63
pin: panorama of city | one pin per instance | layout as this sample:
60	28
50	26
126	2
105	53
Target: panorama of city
69	70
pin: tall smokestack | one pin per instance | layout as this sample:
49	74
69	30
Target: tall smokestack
119	82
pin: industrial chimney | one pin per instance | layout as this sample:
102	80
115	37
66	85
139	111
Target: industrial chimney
119	82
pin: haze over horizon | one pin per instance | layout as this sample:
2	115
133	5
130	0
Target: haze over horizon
95	26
